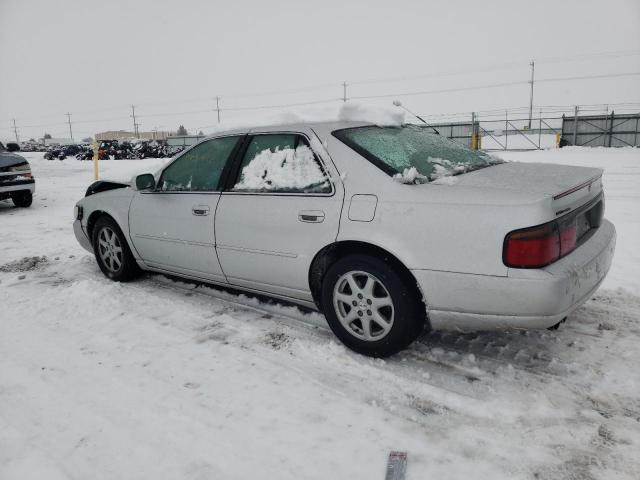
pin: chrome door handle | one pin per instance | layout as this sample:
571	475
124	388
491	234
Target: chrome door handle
311	216
200	210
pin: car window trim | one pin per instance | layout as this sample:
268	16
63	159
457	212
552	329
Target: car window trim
234	172
389	170
223	174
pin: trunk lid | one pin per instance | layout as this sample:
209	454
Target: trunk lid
569	187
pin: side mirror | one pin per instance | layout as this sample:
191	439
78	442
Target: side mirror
146	181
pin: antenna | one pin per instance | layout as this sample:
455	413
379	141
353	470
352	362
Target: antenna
398	103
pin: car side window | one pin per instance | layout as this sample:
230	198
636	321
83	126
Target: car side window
200	168
281	163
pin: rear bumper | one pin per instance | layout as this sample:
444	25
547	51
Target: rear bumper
8	187
524	298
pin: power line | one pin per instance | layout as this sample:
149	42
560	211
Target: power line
286	105
307	88
450	73
344	98
497	66
442	90
494	85
590	77
589	56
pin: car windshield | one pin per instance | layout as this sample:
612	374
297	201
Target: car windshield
2	149
414	154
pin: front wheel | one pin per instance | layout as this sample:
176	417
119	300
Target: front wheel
373	308
112	252
22	199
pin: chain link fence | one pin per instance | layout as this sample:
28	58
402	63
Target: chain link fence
539	132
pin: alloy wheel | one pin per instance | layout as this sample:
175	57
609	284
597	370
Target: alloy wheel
363	305
110	249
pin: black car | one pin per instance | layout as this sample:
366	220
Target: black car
16	180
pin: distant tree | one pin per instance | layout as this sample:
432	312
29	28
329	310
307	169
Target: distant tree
32	140
201	133
182	130
87	140
47	135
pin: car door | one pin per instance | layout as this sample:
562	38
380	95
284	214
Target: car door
173	226
282	205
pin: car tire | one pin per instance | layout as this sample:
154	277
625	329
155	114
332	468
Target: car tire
112	251
22	199
372	307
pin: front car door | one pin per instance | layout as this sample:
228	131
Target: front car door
282	205
172	227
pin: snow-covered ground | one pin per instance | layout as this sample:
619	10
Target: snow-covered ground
162	379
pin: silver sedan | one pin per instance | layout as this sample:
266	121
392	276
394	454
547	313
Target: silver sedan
389	231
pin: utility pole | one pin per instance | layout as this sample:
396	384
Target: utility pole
69	122
344	91
218	107
506	129
575	126
135	125
15	130
532	64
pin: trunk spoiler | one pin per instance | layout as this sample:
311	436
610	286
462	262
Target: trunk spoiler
588	184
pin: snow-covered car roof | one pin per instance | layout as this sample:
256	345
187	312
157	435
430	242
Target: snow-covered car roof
347	115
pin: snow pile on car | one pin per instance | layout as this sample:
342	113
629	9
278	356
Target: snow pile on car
410	176
285	169
443	169
347	112
380	116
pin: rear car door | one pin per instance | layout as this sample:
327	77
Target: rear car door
172	227
282	205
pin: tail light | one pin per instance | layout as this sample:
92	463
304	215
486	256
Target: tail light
538	246
532	247
568	235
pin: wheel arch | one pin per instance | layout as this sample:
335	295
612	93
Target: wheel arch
334	251
101	212
93	218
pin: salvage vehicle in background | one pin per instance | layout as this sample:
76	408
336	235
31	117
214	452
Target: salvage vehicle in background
16	180
389	231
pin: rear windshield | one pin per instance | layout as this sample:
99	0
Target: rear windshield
413	154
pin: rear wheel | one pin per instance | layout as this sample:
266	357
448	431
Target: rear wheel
372	308
112	252
22	199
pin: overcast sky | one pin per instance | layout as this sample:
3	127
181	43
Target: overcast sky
172	58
